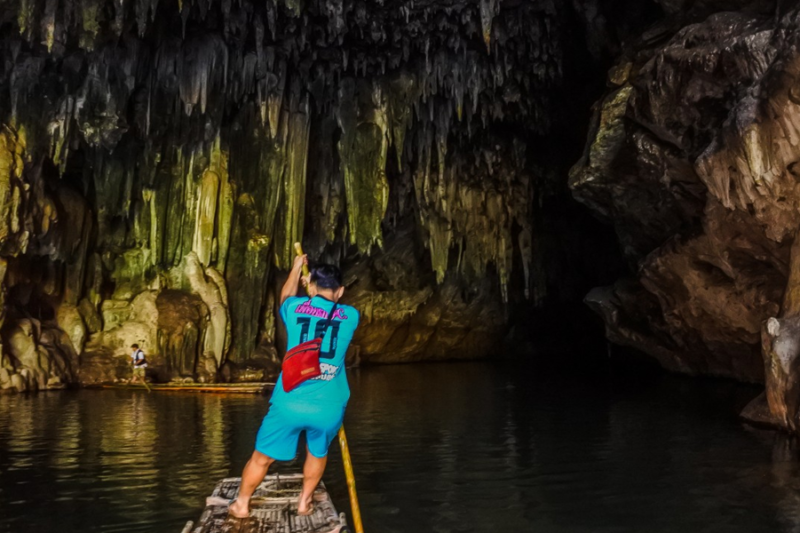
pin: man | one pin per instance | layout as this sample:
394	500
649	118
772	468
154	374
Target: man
139	363
316	406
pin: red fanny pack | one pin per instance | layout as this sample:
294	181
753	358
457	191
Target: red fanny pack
301	363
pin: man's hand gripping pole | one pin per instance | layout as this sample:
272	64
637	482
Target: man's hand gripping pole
348	464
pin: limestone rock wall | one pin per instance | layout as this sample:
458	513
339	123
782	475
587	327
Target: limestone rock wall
158	161
407	317
692	158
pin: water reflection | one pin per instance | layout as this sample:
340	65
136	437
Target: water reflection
114	461
440	448
483	448
784	473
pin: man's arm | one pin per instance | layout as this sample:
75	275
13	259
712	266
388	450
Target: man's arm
293	281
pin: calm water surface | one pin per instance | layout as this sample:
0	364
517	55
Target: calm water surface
437	448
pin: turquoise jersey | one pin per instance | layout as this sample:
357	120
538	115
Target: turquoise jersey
304	319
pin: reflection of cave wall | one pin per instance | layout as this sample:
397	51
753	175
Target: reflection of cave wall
157	161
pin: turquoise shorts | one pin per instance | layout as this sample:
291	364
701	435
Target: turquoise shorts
281	428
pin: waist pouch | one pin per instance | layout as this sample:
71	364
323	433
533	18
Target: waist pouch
301	363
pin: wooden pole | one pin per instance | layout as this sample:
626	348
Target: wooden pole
351	480
348	463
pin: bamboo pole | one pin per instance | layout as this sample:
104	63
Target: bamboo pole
351	480
348	463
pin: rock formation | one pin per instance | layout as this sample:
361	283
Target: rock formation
692	157
158	161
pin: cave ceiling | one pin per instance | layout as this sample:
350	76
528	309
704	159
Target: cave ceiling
443	94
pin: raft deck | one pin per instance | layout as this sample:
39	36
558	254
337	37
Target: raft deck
218	388
273	509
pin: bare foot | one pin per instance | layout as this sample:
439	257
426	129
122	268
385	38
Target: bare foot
238	510
305	507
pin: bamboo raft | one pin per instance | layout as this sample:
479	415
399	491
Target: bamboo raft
217	388
273	509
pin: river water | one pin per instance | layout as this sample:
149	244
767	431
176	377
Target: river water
469	447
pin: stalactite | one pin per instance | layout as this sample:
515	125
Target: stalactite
326	196
475	215
48	27
257	163
172	207
189	127
224	221
211	231
75	226
207	195
25	19
275	91
89	24
292	209
210	286
403	93
363	148
12	163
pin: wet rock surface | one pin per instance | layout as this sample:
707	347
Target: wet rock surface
698	141
407	317
709	269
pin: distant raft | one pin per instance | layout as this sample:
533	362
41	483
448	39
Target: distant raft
218	388
273	509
